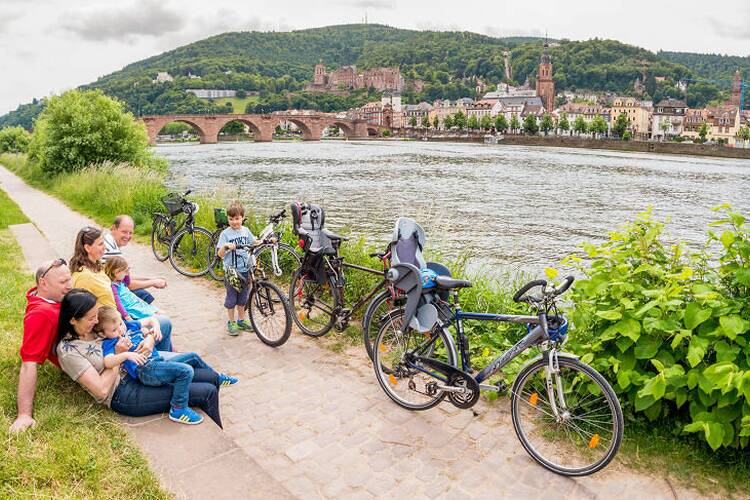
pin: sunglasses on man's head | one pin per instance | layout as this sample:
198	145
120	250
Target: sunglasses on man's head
55	263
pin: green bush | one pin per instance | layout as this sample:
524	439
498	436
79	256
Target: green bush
669	328
79	129
14	140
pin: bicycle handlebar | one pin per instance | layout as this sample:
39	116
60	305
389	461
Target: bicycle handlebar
566	284
274	219
187	192
528	286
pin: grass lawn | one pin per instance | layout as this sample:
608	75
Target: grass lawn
238	105
78	448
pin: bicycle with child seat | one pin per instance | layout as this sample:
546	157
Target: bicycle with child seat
267	306
186	244
277	258
565	414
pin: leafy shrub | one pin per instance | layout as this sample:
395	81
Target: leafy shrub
78	129
670	328
14	140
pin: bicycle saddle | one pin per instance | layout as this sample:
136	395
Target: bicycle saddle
446	282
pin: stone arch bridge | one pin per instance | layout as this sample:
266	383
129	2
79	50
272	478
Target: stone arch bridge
262	126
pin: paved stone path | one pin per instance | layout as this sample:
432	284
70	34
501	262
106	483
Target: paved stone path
317	422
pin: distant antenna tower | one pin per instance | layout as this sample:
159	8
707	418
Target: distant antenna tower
365	17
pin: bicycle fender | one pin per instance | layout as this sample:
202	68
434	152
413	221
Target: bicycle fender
541	356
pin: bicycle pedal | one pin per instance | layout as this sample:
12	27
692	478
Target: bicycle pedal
502	386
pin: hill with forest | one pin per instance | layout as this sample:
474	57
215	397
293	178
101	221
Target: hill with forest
276	66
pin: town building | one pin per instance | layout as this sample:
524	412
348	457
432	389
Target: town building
639	116
163	76
480	109
212	93
667	119
347	78
416	111
519	106
507	90
723	123
587	111
393	99
545	85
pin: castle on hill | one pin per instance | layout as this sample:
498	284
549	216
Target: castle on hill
347	78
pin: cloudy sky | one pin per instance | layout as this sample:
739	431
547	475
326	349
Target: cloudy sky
48	46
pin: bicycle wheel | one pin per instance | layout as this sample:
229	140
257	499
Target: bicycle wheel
161	230
216	269
287	259
408	383
270	314
588	431
189	251
313	305
377	311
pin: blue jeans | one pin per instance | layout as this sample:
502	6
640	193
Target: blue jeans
165	324
177	372
143	294
134	399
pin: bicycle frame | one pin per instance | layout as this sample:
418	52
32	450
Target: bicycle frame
373	291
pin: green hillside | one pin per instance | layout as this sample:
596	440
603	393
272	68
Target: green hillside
278	64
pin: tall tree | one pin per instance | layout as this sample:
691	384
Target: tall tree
579	125
436	122
514	123
546	123
473	122
459	120
485	123
621	125
530	125
501	123
425	122
563	124
598	126
703	131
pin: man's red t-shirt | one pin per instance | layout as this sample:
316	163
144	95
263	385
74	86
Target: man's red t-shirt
39	329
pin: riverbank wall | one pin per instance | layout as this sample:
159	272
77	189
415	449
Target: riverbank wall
674	148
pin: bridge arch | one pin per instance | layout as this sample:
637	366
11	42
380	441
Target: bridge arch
309	131
346	128
155	126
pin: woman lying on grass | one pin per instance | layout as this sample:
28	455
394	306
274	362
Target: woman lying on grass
81	356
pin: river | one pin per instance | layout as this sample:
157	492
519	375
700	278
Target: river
512	208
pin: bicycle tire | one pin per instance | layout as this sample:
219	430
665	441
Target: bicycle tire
264	300
216	269
302	305
197	263
160	237
373	317
579	434
391	375
288	259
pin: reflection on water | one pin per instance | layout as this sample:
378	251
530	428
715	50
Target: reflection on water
511	207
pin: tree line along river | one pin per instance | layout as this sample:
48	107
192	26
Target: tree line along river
511	208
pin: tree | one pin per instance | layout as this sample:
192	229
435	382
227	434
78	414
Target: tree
621	125
425	122
413	121
81	128
241	94
627	136
485	123
546	123
436	122
703	131
501	123
473	123
563	124
514	123
234	128
598	126
459	120
14	140
743	134
579	125
448	122
530	126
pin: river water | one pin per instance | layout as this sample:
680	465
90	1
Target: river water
512	208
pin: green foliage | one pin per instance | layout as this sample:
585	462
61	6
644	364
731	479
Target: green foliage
627	136
473	122
413	122
448	122
621	125
598	125
425	121
514	123
546	124
436	122
530	125
10	213
743	133
14	140
485	123
501	123
176	128
579	125
78	129
459	120
669	328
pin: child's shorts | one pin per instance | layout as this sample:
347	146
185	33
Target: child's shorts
235	298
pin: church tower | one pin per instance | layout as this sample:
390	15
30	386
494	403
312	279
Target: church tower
736	88
545	86
320	74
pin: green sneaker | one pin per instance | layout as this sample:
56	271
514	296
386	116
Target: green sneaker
233	329
245	325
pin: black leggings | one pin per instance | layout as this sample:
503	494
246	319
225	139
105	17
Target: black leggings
134	399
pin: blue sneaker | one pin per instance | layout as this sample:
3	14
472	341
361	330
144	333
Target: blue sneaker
226	380
244	325
185	416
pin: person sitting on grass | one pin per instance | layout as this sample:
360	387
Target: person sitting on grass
226	248
129	304
53	281
81	357
118	236
86	267
152	370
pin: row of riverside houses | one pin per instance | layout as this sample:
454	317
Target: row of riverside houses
668	119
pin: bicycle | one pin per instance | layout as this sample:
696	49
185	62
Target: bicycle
565	414
316	293
263	304
164	226
279	257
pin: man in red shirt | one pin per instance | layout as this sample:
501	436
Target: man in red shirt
53	281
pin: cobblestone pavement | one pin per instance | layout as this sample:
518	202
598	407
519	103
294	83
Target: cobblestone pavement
317	421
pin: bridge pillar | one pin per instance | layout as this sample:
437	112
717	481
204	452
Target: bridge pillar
152	129
210	126
265	124
360	129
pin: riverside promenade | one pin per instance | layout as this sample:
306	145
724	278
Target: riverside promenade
308	422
